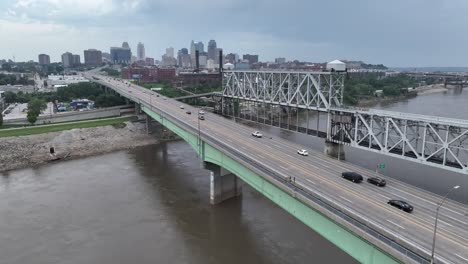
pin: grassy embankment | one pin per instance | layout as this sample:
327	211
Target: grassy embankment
41	129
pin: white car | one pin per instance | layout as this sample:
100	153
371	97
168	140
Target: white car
257	134
201	112
181	107
303	152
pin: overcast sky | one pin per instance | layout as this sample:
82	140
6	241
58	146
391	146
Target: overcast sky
392	32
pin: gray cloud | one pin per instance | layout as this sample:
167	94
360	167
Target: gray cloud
399	32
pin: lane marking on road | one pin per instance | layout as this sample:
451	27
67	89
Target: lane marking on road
461	257
289	155
310	181
395	224
446	223
345	199
458	220
284	168
268	147
385	197
260	156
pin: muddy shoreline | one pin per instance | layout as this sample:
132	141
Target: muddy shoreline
27	151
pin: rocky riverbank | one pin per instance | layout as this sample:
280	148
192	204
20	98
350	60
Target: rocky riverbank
26	151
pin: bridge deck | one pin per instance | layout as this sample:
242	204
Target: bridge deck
320	175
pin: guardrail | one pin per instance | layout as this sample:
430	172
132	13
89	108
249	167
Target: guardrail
285	184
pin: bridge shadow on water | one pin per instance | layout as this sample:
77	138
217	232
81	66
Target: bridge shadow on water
247	229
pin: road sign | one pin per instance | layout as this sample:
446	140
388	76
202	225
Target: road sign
381	166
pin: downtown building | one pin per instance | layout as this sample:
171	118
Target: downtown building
212	50
120	55
251	58
141	52
149	74
44	59
67	60
76	60
92	57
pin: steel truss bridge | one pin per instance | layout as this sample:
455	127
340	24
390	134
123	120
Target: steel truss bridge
284	97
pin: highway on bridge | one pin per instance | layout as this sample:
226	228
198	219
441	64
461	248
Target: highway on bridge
321	176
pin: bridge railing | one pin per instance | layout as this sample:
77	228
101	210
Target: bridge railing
284	183
435	141
291	187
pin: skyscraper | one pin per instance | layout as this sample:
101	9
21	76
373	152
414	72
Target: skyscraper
193	48
200	46
120	55
170	52
183	58
44	59
92	57
212	49
67	59
140	51
76	60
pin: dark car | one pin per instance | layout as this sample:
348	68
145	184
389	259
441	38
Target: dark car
377	181
402	205
188	113
201	117
352	176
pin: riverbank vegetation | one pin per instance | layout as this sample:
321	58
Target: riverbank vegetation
41	129
369	86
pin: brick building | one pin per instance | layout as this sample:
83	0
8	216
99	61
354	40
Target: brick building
145	75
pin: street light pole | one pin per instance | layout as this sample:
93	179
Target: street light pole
437	218
199	134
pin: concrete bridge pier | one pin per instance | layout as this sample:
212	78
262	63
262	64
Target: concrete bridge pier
223	184
137	109
334	150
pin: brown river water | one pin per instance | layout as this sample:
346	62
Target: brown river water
151	205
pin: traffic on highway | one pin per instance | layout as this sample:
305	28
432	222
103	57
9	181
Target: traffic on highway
398	210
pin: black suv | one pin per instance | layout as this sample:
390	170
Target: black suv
377	181
352	176
402	205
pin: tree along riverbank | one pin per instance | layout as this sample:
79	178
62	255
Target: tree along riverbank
384	100
26	151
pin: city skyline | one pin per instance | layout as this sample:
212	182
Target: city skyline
395	34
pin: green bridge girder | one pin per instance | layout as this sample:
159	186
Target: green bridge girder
356	246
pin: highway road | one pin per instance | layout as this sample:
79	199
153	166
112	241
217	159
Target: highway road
321	176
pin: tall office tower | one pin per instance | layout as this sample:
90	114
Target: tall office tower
170	52
140	51
76	60
200	46
67	59
212	49
44	59
193	48
120	55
